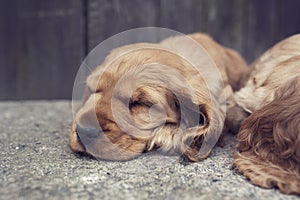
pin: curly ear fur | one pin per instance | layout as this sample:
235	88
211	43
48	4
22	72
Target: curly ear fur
269	142
233	70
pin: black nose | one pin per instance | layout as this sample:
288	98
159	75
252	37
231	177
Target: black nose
86	135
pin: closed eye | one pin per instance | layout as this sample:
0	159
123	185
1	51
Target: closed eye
98	90
140	102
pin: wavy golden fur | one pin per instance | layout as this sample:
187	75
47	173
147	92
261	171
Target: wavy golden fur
269	139
115	143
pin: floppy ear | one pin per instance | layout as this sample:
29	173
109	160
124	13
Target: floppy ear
206	135
269	142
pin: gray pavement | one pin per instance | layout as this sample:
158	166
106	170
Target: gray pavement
36	163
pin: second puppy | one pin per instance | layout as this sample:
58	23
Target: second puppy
269	139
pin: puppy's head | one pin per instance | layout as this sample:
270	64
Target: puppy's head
146	99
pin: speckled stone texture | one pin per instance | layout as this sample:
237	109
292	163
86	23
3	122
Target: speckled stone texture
36	163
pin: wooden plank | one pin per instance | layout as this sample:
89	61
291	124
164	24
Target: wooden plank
48	47
184	16
260	27
288	19
43	43
225	23
7	50
221	19
108	17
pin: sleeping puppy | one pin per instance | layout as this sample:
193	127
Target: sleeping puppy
169	96
269	139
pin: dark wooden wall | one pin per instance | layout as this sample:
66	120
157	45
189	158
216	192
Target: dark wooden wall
42	43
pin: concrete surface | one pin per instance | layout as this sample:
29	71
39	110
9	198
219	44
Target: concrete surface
36	163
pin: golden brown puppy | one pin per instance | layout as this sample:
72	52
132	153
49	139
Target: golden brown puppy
168	96
269	139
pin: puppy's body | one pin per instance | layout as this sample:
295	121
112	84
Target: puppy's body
269	139
168	77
